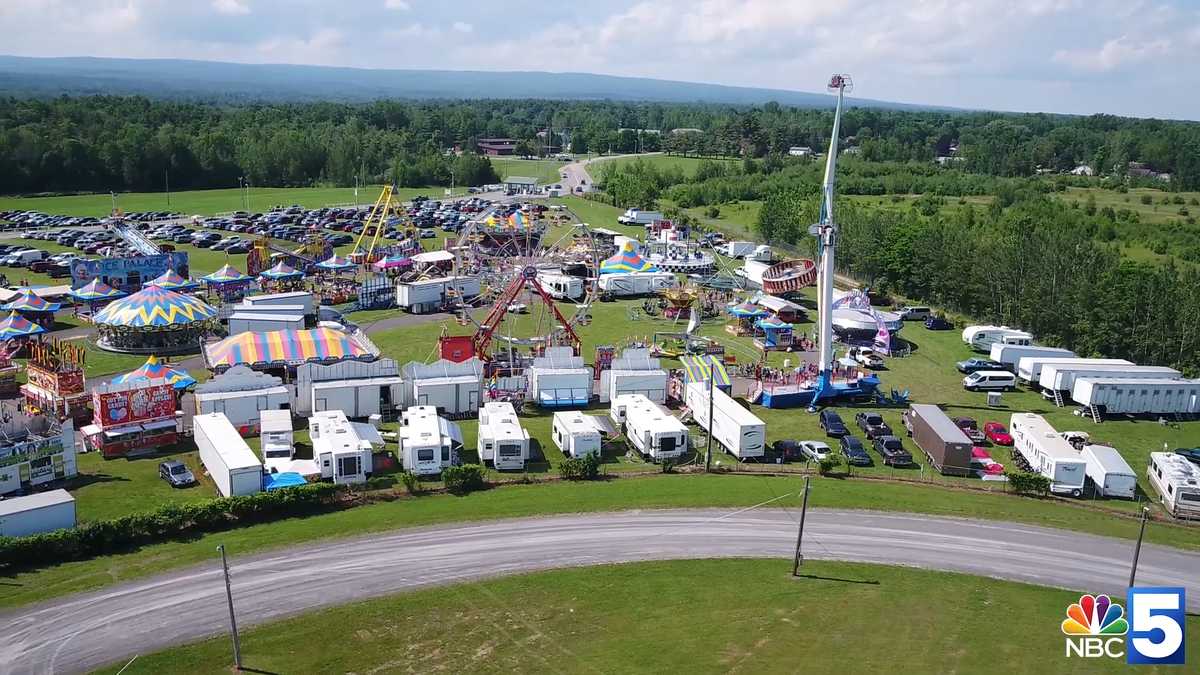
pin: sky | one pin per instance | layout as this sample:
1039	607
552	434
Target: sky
1129	57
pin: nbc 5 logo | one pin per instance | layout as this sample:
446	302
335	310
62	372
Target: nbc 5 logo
1156	625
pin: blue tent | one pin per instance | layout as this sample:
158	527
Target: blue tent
286	479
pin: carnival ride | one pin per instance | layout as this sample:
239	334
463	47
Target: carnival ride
387	205
305	258
680	300
789	276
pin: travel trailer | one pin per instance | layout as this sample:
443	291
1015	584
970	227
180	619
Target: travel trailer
501	441
1047	453
341	453
652	431
1177	482
631	284
738	430
428	443
562	286
575	434
981	338
276	439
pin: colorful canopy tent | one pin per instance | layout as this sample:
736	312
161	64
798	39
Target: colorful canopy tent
392	262
226	275
336	263
747	310
286	347
29	301
626	261
154	307
172	281
772	323
96	291
699	368
153	370
776	332
280	272
16	326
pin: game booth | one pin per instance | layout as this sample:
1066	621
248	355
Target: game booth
154	320
131	418
55	383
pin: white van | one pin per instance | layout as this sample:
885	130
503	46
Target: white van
990	380
23	258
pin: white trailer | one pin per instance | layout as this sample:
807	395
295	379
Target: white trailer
243	322
302	298
276	439
342	455
1029	368
1009	354
1062	376
561	286
1048	453
1109	472
639	217
575	434
651	430
428	295
234	468
501	440
427	442
650	383
740	431
242	408
1177	482
559	379
357	398
37	513
453	388
981	338
1111	396
737	249
630	284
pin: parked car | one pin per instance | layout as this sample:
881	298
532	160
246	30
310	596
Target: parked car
971	428
854	452
872	425
915	313
997	433
990	380
938	322
974	364
892	451
788	449
814	450
866	356
832	424
175	473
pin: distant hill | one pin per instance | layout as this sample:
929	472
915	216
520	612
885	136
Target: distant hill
207	80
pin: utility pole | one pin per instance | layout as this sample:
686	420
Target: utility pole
114	203
167	180
1137	549
712	379
242	190
798	558
356	190
451	182
237	647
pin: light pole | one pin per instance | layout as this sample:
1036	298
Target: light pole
242	190
798	558
167	180
356	190
114	203
237	646
451	182
1137	549
712	379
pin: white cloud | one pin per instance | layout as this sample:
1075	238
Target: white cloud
326	46
462	27
401	5
231	7
1113	54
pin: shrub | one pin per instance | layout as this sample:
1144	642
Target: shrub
580	468
460	480
829	462
1028	483
411	482
380	482
1146	199
713	212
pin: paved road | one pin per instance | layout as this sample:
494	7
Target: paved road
86	631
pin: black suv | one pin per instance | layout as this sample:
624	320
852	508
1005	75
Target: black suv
832	424
854	452
892	451
872	425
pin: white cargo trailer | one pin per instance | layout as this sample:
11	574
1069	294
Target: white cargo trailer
1062	376
632	284
1109	471
737	249
302	298
981	338
429	295
501	440
575	434
1177	482
738	430
1029	368
1009	354
561	286
650	383
243	322
1111	396
453	388
1047	453
276	439
651	430
37	513
342	455
234	468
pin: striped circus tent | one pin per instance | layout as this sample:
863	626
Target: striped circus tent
336	263
28	301
697	368
173	281
154	307
626	261
286	347
228	274
16	326
155	370
772	323
279	272
96	290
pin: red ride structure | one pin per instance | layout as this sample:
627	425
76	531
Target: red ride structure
528	278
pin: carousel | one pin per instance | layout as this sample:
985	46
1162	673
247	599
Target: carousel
154	321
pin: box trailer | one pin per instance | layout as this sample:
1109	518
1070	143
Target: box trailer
428	443
1177	482
1111	396
276	439
560	387
234	468
242	322
1109	471
738	430
429	295
1062	376
501	442
981	338
37	513
650	383
342	455
737	249
575	434
639	217
1046	452
357	398
453	395
632	284
652	431
943	442
1009	354
1029	368
301	298
243	409
561	286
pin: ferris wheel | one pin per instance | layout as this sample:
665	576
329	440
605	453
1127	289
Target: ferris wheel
538	282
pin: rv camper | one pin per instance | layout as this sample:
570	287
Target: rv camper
430	295
1047	453
652	431
942	441
1109	472
233	467
276	439
341	453
575	434
1177	482
1009	354
738	430
632	284
981	338
1110	396
1029	368
501	440
561	286
428	443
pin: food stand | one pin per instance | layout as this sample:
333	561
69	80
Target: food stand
134	417
55	383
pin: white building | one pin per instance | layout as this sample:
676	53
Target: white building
241	394
635	372
358	388
559	379
452	388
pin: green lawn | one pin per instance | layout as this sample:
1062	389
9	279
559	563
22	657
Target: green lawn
545	170
701	616
686	164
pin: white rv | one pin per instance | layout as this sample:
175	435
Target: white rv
1141	396
1029	368
651	430
575	434
427	442
561	286
429	295
981	338
740	431
1109	472
339	451
632	284
1009	354
1062	376
276	439
1048	453
1177	482
501	440
233	467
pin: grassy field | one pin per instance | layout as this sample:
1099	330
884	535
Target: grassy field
545	170
686	164
705	616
